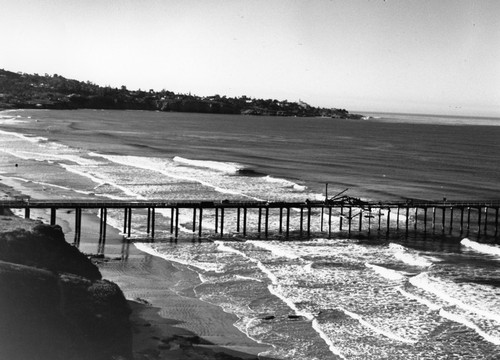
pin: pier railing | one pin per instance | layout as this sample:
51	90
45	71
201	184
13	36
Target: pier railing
346	215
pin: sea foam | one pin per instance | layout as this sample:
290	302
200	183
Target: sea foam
402	254
428	284
383	332
482	248
226	167
385	272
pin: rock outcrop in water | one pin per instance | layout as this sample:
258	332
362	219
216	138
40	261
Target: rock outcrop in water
54	304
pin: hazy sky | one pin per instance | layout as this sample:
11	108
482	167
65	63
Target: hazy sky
439	56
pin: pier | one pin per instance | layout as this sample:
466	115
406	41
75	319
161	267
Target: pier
332	218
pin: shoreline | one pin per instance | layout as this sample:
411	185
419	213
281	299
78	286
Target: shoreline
166	324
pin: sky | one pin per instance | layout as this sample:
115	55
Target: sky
417	56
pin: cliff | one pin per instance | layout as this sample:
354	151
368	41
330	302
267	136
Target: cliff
54	302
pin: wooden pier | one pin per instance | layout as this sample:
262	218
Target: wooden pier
347	216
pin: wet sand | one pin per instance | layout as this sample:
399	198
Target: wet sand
169	322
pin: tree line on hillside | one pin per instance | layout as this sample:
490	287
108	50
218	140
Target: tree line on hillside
21	90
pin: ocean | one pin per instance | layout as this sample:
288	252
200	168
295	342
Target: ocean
317	298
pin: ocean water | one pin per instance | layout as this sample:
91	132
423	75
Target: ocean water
312	298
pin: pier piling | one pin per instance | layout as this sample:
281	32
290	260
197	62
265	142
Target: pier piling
200	222
153	215
245	221
52	216
176	222
242	216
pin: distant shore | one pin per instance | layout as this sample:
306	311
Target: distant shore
33	91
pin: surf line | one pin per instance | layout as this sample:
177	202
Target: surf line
376	329
274	289
141	165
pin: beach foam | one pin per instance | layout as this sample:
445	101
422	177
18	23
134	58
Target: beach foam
482	248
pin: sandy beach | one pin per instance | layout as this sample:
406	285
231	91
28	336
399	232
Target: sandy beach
168	322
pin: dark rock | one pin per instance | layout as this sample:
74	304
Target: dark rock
50	316
54	304
45	247
31	324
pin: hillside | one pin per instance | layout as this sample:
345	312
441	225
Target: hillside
20	90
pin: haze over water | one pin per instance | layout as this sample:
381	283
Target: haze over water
309	298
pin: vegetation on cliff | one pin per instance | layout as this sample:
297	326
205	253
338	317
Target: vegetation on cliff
20	90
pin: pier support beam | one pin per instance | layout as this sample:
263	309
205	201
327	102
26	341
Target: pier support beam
485	220
129	222
52	216
102	224
125	218
238	219
287	222
407	219
329	221
78	225
200	224
433	219
153	215
496	222
478	221
379	217
216	220
416	216
221	221
244	221
360	214
388	221
259	221
349	223
461	220
148	228
308	221
176	222
322	216
444	219
194	220
468	220
451	220
172	220
301	220
341	217
281	221
397	218
369	220
425	220
266	223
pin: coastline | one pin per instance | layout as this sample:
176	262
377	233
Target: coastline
167	323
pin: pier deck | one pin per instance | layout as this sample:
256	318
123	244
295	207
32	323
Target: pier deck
344	215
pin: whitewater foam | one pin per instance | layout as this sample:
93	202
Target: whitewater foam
385	272
403	254
273	249
385	333
159	165
276	289
482	248
205	266
425	282
226	167
461	320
